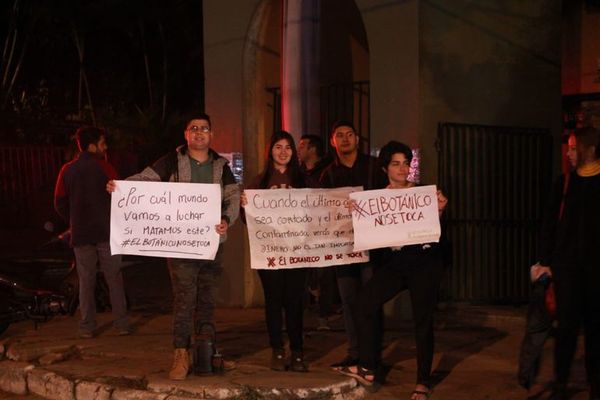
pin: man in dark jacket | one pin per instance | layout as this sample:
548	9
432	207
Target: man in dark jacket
350	168
569	242
81	199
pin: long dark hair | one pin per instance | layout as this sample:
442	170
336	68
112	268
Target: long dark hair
293	167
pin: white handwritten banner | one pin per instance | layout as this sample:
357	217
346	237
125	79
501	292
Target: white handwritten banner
164	219
395	217
293	228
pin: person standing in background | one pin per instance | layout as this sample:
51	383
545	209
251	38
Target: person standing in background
80	199
569	243
322	283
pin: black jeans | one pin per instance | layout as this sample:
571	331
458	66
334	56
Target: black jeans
577	303
284	291
350	279
326	282
420	271
537	330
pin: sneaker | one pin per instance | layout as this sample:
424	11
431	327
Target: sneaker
297	363
86	334
278	360
181	365
323	325
346	362
124	332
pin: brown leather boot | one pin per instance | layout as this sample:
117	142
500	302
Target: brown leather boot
181	365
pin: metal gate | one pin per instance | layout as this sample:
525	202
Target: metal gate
27	177
495	178
349	101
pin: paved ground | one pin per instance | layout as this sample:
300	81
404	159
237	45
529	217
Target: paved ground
476	357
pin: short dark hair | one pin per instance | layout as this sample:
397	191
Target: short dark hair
87	135
316	142
589	136
387	152
192	117
341	122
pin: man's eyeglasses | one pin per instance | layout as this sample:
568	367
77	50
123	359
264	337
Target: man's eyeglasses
196	129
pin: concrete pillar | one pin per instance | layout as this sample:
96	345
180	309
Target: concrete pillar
300	67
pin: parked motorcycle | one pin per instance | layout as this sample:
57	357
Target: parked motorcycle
38	286
44	284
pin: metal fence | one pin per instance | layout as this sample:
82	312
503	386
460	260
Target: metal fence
495	178
27	177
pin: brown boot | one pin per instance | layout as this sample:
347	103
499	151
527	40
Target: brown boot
181	365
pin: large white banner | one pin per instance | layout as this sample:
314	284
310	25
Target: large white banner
165	219
293	228
395	217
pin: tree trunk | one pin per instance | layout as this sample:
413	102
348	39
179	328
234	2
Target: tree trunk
164	65
146	63
79	44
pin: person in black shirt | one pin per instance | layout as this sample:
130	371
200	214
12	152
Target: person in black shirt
81	200
418	268
350	168
569	242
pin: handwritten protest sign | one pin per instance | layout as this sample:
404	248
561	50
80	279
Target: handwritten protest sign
293	228
395	217
165	219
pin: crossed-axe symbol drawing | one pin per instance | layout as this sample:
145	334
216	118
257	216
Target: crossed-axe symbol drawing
359	209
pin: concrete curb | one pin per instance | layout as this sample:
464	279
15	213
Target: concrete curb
24	378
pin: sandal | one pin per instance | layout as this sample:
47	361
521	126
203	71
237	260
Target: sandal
420	395
361	374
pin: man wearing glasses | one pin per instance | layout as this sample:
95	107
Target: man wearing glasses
194	282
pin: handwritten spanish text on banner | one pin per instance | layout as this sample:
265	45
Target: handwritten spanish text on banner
293	228
164	219
395	217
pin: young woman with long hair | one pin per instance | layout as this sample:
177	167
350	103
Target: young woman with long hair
283	288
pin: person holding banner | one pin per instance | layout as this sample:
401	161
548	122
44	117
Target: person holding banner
283	289
79	198
194	282
350	168
418	268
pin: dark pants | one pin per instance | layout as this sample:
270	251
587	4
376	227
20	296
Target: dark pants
419	271
539	324
284	294
324	280
194	284
577	303
350	280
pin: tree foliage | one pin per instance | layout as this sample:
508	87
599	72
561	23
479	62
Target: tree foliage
132	66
